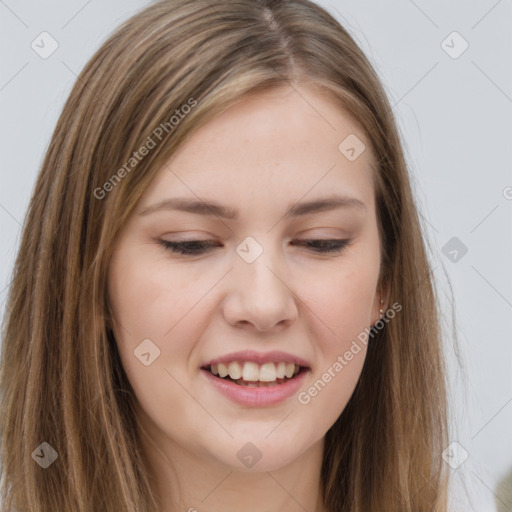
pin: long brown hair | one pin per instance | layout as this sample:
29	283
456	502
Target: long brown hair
61	379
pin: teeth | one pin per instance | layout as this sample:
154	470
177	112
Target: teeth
235	370
281	370
290	369
223	370
250	372
253	372
267	372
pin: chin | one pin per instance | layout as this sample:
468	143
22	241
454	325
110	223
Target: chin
258	455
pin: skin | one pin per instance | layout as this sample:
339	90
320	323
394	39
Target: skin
259	156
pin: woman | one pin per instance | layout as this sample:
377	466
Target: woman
222	296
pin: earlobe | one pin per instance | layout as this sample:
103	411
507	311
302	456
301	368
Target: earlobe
383	294
381	313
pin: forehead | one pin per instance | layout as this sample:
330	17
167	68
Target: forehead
274	147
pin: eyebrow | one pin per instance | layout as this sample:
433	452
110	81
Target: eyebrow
201	207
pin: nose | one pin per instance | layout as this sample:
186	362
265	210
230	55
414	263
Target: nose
261	295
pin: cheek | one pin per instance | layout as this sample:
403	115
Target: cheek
148	296
337	314
324	399
340	307
153	300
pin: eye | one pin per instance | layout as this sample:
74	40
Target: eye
196	247
190	247
326	245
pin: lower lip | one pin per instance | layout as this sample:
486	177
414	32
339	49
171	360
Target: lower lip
253	396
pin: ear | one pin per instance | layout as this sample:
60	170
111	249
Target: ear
380	302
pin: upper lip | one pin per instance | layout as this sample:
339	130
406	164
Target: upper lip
258	357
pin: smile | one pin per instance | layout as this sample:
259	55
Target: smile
252	374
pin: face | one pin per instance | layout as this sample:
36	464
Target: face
261	291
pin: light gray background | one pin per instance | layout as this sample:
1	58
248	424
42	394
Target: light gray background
455	116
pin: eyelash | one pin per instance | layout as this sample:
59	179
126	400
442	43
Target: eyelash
321	246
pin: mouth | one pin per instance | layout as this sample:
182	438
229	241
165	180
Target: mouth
252	374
